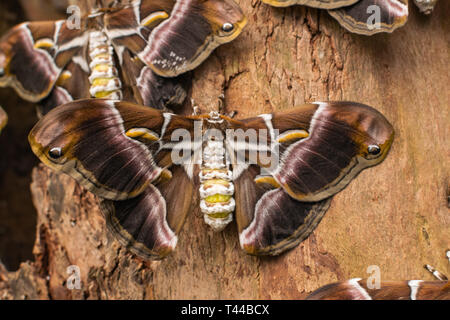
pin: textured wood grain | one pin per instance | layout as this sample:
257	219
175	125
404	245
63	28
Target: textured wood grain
395	215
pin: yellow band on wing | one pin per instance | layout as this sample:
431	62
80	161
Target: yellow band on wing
64	76
268	180
293	135
142	133
43	43
154	18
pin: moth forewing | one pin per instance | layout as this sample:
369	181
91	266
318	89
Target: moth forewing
369	17
322	4
335	150
193	31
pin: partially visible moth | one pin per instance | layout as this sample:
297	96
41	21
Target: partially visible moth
276	172
322	4
3	119
127	50
359	16
358	289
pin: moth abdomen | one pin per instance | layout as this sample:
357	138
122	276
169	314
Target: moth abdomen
216	187
104	78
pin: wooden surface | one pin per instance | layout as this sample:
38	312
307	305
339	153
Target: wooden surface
395	215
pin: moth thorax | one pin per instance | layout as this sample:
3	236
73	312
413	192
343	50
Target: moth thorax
216	187
104	79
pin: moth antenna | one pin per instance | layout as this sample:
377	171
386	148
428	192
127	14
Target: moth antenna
222	107
196	109
221	103
232	114
436	273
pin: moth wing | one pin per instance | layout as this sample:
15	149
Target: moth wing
34	54
143	86
149	223
140	224
357	289
320	148
280	223
3	119
372	16
175	38
322	4
269	220
72	84
111	148
343	139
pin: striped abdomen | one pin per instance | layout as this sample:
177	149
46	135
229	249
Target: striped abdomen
104	79
216	188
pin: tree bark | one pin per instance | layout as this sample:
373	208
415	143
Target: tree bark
394	216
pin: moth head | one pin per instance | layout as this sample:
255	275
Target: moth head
226	18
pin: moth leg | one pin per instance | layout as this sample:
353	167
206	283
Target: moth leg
436	273
196	110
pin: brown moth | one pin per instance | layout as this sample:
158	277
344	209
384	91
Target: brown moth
322	4
369	17
359	16
358	289
274	173
130	50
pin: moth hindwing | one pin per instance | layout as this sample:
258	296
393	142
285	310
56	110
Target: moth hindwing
359	16
274	174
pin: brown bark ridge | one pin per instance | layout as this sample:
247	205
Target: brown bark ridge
395	215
